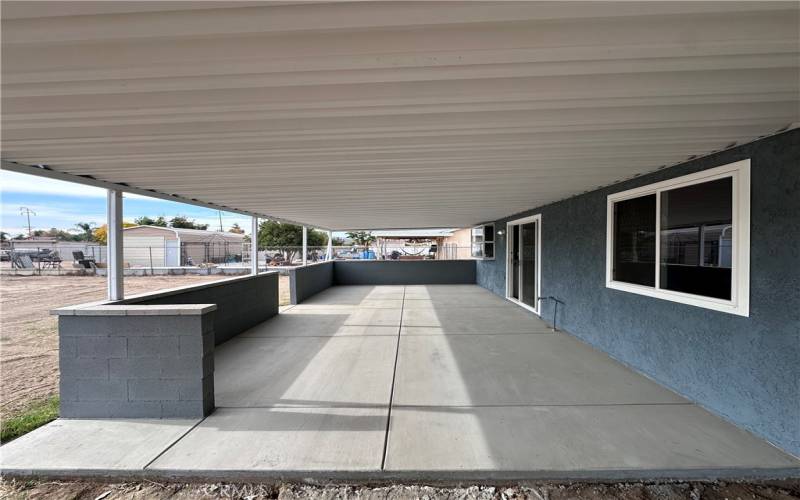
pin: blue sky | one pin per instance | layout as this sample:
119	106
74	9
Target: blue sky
63	204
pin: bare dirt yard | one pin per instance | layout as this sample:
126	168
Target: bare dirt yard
712	490
28	335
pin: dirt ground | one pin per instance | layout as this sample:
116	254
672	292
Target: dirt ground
775	490
28	336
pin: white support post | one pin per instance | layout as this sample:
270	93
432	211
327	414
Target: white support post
329	251
305	245
114	266
254	247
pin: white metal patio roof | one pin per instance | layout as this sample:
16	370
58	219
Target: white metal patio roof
388	115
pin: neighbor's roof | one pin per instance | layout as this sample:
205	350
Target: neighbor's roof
388	115
415	233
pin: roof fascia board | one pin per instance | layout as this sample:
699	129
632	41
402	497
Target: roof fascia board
49	173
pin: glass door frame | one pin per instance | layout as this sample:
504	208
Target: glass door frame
509	264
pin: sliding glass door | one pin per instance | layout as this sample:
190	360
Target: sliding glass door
523	267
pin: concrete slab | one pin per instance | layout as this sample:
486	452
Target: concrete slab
347	295
553	369
483	389
464	320
326	322
367	303
310	371
464	300
438	291
282	439
446	288
559	441
91	445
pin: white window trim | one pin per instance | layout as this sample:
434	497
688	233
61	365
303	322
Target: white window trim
483	243
533	218
739	304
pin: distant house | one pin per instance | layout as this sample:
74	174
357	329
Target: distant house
34	243
146	246
414	244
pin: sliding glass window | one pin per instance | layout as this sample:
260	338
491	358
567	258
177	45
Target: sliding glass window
685	240
696	239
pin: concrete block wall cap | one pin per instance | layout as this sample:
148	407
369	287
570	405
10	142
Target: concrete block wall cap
134	310
70	310
170	309
311	264
190	288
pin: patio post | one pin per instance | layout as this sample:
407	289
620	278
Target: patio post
329	251
114	265
254	246
305	244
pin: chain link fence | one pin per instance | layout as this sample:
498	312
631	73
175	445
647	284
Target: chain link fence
204	255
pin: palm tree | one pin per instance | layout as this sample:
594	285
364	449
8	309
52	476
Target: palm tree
88	230
362	238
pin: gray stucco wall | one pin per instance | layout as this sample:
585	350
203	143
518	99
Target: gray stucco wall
309	280
242	302
409	272
746	369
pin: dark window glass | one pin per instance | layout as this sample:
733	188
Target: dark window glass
635	240
488	232
489	250
696	239
515	257
529	264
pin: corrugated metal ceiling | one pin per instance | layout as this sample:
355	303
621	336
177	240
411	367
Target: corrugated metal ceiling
389	115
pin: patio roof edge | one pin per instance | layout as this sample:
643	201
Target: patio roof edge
48	172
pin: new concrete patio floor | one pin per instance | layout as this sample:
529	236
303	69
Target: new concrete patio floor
431	382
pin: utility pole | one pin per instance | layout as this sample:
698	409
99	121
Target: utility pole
220	220
27	211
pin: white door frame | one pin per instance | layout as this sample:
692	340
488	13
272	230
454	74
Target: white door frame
518	222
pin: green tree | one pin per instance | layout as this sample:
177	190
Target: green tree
87	228
362	238
183	222
58	234
337	242
159	221
287	238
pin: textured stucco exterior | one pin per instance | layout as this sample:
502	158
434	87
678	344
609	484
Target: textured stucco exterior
746	369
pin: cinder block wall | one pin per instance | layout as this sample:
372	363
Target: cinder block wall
411	272
137	361
242	302
746	369
152	355
309	280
